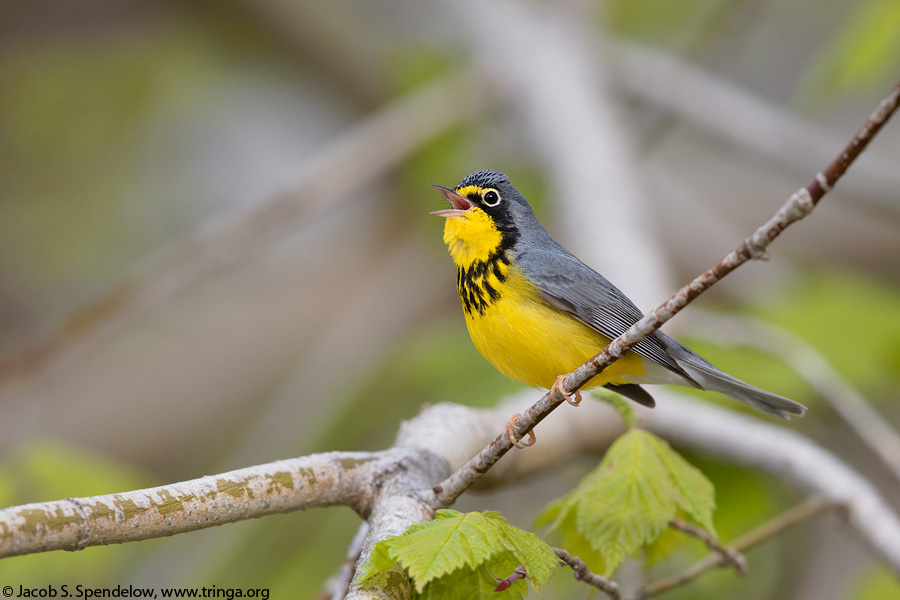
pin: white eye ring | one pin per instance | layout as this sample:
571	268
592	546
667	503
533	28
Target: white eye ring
491	197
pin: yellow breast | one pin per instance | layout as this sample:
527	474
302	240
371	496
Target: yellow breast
530	341
521	335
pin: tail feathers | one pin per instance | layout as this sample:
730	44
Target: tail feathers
713	379
633	392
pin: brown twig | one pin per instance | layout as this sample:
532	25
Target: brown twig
728	553
798	206
582	573
767	530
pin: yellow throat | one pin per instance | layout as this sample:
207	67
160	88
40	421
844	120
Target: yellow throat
471	236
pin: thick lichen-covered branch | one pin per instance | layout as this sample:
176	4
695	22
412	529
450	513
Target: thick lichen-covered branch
338	478
388	487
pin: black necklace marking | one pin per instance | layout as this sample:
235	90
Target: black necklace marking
475	291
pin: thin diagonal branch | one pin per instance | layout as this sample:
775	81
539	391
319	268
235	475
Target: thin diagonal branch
766	531
582	573
798	206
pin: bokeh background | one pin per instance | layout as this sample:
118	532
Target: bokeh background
215	247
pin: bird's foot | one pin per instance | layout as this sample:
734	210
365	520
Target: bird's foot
560	386
510	429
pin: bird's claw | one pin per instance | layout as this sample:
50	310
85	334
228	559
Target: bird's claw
560	386
510	429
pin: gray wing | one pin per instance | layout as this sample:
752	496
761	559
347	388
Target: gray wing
570	285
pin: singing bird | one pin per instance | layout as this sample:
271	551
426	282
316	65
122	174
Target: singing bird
536	312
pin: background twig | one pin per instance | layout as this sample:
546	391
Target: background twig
582	573
729	554
766	531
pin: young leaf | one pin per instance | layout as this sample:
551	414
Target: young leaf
632	502
456	551
627	502
696	494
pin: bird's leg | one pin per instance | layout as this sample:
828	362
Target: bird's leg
510	429
560	386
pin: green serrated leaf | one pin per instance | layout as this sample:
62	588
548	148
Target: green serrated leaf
539	558
697	496
451	541
626	503
631	504
456	543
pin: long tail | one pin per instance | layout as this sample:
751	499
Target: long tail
713	379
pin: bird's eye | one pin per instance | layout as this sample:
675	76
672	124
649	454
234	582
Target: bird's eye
491	198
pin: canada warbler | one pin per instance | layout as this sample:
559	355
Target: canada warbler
537	312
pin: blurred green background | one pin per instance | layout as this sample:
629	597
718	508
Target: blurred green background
127	125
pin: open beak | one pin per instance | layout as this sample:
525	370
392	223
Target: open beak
459	203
